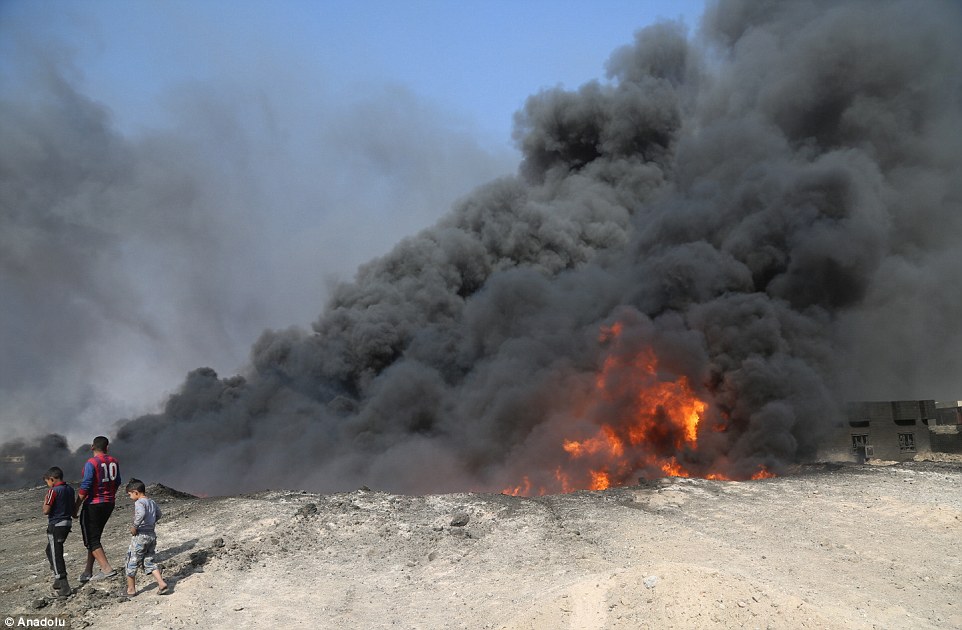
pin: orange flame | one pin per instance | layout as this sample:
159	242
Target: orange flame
763	473
672	468
651	420
599	480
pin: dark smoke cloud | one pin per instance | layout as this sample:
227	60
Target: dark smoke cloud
774	211
127	255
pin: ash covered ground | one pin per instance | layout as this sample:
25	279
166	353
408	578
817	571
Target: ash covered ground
830	546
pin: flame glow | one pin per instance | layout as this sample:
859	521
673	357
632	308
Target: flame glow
650	427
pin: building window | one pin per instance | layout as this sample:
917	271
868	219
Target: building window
859	442
907	442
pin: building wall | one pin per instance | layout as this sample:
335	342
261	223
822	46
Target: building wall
894	430
946	438
949	412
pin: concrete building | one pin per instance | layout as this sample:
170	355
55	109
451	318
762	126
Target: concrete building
12	465
948	412
947	431
890	430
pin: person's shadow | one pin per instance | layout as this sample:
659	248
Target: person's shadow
169	553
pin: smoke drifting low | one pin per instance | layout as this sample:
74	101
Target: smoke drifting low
774	213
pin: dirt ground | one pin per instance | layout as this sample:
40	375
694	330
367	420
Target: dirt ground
832	546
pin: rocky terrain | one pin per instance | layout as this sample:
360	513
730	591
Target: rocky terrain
831	546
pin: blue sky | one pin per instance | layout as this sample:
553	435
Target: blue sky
479	60
252	154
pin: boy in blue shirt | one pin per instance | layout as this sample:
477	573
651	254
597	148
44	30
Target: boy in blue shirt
143	538
58	506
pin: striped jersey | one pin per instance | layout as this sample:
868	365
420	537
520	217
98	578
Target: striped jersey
101	478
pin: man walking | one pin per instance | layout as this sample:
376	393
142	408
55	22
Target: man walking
95	504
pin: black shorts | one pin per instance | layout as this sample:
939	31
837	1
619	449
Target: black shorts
93	519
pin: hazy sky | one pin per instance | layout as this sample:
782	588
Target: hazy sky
176	177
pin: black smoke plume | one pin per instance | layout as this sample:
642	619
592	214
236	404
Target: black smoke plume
772	209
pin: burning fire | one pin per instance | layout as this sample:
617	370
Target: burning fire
649	423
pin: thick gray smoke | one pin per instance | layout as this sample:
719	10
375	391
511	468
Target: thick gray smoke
773	212
128	255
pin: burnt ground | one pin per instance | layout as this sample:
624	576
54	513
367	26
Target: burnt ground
832	546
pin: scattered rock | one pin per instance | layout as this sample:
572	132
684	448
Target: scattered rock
308	510
199	558
651	581
460	519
